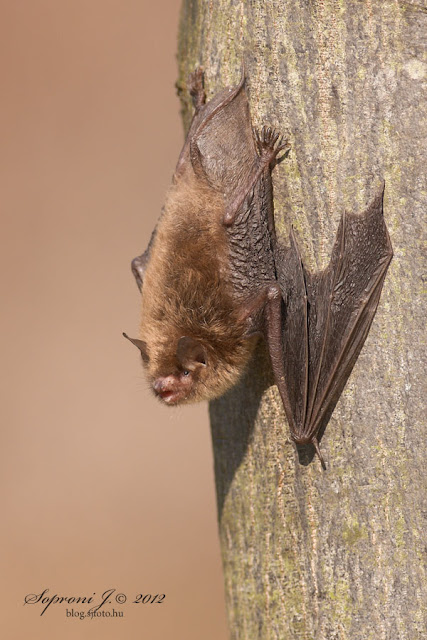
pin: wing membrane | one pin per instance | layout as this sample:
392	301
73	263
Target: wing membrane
328	316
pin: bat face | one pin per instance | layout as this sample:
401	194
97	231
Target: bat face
188	370
174	388
179	377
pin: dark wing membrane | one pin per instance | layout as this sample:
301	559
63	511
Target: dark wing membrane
204	116
224	153
342	303
328	316
139	264
294	388
223	143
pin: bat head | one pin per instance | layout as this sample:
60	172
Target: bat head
178	376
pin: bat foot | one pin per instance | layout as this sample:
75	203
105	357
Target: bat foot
269	143
196	87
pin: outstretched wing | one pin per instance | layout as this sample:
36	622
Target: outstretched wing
328	316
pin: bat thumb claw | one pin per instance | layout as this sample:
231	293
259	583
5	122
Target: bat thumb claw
316	446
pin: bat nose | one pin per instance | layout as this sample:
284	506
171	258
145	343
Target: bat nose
158	385
163	384
166	389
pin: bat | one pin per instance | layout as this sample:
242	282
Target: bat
214	277
207	278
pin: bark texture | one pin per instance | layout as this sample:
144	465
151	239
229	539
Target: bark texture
339	554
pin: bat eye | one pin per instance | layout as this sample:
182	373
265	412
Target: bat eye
185	373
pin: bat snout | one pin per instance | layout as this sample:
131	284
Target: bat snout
163	384
167	389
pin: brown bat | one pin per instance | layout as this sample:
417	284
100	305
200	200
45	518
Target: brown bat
214	278
208	276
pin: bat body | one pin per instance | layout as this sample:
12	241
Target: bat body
208	273
214	277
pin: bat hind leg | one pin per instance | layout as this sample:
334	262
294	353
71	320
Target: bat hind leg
196	88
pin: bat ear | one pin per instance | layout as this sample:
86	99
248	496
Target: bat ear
191	353
140	344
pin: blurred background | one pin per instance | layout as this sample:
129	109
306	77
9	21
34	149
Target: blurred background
101	487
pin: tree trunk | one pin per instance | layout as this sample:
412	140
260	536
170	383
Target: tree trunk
339	554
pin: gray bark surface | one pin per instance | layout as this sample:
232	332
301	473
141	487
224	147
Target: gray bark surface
339	554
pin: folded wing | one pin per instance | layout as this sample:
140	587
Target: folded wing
328	316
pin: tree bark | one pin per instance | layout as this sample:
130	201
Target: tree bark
339	554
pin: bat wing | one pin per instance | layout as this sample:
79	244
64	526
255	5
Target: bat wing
230	158
139	264
222	148
328	316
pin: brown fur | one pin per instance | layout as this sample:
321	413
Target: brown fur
185	292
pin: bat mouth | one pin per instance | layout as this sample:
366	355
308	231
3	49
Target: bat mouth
169	390
169	396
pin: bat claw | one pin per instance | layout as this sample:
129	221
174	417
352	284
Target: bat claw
316	446
270	142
